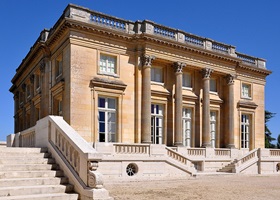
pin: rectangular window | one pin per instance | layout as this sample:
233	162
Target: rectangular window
246	91
187	80
245	130
28	91
213	85
107	64
213	124
187	127
107	119
157	74
37	81
58	66
156	123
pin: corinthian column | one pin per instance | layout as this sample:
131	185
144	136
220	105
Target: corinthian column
178	67
206	73
230	82
146	99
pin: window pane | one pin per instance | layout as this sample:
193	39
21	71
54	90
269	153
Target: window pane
187	82
156	74
101	137
101	102
213	85
111	103
101	116
107	63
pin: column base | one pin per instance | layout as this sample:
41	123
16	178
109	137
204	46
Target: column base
206	145
146	142
178	144
231	146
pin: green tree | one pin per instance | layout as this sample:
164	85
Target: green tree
278	142
268	137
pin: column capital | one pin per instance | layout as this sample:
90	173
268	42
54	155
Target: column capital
178	67
147	60
230	79
206	72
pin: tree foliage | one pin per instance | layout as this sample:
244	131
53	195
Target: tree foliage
268	137
278	142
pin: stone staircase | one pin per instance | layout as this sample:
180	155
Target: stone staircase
228	168
31	173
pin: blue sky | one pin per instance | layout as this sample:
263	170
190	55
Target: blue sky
253	26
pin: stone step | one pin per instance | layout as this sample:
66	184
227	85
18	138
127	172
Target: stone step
30	174
33	181
28	167
23	154
24	160
24	150
59	196
33	190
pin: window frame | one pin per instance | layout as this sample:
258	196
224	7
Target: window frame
245	143
153	78
107	110
157	138
250	91
58	66
191	80
216	85
116	67
184	128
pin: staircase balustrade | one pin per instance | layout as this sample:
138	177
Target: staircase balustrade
241	163
27	138
274	152
196	152
223	152
132	149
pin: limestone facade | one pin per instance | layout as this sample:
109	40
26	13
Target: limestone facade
118	81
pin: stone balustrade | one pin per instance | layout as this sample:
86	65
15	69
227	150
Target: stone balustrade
274	152
74	155
132	149
196	152
27	138
151	28
174	155
223	152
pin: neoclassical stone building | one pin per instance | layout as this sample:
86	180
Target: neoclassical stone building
118	81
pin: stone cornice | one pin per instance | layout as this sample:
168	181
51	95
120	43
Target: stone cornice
254	69
105	83
246	104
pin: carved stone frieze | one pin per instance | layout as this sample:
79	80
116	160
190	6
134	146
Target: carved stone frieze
206	72
147	60
178	66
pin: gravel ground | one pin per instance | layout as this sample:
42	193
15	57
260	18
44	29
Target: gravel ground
252	187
